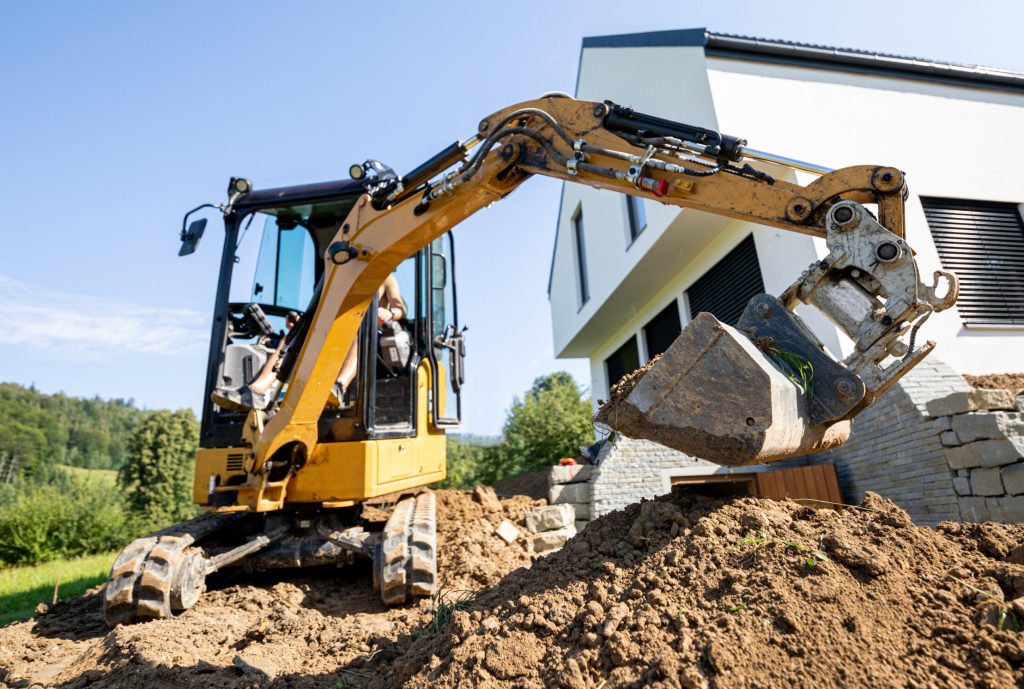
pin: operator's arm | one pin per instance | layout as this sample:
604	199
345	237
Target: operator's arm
390	299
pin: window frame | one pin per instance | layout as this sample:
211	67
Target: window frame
636	218
579	244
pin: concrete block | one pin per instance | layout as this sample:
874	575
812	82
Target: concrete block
569	492
1013	478
949	438
942	424
998	424
973	509
581	524
961	485
985	453
552	540
996	512
997	453
550	518
507	531
962	457
571	473
584	510
986	482
975	400
1013	509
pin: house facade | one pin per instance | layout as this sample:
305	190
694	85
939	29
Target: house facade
628	274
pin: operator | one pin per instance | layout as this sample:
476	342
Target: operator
390	307
257	394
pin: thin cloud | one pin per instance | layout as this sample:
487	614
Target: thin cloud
89	327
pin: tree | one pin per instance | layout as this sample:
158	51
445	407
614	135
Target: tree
157	474
552	421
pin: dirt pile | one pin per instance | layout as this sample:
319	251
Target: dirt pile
1014	382
272	631
687	591
684	591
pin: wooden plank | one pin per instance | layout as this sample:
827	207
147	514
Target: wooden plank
832	479
820	488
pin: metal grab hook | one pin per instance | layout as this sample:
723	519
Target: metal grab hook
952	290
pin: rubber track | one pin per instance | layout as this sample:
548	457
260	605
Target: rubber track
409	550
139	587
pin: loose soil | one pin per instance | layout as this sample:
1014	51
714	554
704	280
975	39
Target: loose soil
683	591
1014	382
287	630
533	484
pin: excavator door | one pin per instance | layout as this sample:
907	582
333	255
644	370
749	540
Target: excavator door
447	342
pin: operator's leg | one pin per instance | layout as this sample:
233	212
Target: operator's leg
349	370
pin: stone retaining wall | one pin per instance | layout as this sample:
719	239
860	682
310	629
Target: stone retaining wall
934	445
982	433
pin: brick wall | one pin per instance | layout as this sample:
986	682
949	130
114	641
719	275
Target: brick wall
629	470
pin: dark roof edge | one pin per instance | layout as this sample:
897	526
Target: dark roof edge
815	56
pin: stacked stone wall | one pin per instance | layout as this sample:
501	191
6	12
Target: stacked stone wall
982	433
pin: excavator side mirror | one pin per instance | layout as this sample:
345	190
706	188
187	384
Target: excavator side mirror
190	237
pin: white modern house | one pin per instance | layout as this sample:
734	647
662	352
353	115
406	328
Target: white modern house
627	275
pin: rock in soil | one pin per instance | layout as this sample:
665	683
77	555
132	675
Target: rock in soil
685	591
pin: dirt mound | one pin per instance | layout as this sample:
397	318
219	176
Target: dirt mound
280	631
684	591
1014	382
687	591
533	484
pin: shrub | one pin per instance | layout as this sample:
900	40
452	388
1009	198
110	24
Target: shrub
42	522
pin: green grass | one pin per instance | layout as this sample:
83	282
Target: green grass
105	477
23	588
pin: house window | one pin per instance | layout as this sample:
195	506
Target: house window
662	330
636	216
581	255
725	290
625	359
983	243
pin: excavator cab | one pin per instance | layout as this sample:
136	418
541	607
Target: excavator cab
276	268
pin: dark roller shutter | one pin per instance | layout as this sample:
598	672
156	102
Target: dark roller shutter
725	290
625	359
662	330
983	243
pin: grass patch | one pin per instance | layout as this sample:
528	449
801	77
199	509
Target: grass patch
447	602
23	588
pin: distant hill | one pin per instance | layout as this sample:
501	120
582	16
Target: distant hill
477	440
38	429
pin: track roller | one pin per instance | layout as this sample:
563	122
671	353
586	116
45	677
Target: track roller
406	566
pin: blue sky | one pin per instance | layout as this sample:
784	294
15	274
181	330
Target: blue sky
116	117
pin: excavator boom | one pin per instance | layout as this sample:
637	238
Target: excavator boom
762	390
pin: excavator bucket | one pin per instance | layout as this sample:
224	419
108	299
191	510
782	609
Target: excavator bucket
760	392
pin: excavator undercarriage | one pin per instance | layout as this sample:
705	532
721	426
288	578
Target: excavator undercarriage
285	482
164	574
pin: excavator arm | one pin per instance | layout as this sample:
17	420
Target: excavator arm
763	390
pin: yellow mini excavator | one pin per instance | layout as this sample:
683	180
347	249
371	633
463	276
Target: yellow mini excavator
287	482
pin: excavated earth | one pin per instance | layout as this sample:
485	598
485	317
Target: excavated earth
683	591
